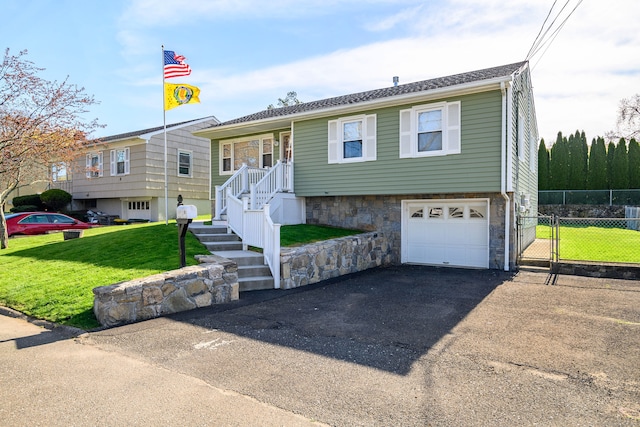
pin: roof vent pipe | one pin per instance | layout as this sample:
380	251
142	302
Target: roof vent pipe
396	79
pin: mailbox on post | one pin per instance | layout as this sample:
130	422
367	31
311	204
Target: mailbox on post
185	214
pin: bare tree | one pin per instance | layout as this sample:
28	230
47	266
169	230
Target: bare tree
41	123
628	124
290	99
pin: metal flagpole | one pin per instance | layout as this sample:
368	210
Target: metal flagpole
164	121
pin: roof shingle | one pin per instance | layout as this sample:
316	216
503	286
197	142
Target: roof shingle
421	86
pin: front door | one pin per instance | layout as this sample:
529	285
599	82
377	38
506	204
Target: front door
287	147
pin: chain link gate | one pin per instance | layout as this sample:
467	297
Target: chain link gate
537	243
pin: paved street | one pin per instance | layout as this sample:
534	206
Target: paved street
407	345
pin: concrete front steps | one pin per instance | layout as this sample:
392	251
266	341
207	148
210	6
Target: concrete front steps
253	274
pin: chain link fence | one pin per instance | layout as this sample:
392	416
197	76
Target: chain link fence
589	240
589	197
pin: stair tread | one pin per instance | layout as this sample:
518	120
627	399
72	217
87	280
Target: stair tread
254	278
238	254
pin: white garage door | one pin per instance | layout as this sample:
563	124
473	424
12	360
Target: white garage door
446	232
139	209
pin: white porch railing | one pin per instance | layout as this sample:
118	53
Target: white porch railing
245	199
279	179
256	228
239	183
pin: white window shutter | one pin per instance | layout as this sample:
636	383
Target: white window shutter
405	133
453	128
88	166
127	169
369	150
100	164
112	163
334	142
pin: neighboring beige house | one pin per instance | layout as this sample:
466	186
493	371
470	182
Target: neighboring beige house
124	175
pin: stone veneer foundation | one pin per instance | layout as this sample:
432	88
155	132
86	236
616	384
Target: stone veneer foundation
383	213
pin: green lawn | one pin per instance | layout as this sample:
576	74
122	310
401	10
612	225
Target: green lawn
605	244
293	235
49	278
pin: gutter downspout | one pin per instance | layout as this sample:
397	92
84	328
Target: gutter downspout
503	177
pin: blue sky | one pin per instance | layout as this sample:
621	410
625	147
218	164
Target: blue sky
245	54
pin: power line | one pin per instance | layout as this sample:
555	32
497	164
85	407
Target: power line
544	38
541	28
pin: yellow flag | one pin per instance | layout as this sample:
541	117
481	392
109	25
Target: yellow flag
179	94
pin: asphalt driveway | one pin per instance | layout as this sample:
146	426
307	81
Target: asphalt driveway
409	345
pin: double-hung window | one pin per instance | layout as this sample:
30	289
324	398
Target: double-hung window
119	160
184	163
430	130
94	166
59	172
352	139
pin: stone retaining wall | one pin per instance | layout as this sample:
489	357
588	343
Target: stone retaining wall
582	211
603	270
214	281
311	263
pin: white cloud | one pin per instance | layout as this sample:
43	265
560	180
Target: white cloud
578	81
392	21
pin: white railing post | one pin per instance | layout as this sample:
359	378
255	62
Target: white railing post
245	207
271	248
276	256
279	176
218	205
245	178
290	176
252	194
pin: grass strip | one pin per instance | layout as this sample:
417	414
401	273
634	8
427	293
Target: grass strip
50	278
602	244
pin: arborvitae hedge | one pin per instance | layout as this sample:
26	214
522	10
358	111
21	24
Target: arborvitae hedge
570	164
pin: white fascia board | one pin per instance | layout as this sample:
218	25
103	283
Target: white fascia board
149	135
124	142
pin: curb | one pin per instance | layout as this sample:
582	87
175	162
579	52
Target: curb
69	331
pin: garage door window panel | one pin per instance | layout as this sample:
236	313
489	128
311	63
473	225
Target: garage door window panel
416	212
436	213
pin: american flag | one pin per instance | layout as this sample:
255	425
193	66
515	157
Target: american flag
174	65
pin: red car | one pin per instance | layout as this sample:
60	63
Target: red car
41	223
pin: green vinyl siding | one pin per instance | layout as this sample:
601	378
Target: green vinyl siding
475	169
525	170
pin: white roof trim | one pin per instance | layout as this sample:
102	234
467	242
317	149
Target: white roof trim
149	135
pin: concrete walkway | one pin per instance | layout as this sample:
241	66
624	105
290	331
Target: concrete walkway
48	378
